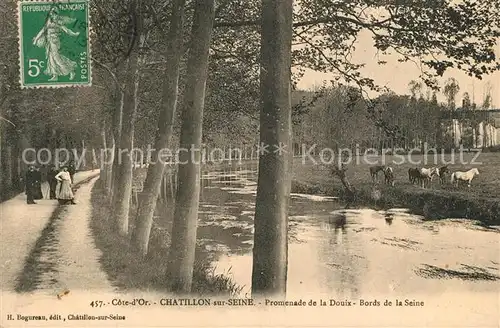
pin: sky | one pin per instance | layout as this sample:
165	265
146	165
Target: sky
396	75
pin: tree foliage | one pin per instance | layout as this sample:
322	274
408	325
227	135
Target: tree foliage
441	34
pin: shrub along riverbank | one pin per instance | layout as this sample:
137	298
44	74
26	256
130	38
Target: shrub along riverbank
128	271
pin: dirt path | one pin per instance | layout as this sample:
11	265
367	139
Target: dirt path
44	246
20	227
64	256
78	264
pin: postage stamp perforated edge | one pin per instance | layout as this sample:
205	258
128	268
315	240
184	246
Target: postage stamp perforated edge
20	47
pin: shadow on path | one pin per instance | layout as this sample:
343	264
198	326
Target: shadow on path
42	259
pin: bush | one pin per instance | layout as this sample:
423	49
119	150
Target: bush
493	149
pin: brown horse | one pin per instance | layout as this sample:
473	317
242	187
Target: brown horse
389	176
374	170
442	174
414	175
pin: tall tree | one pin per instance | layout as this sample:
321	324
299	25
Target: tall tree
9	126
182	250
466	102
130	101
147	203
415	88
117	126
451	89
487	98
270	252
112	46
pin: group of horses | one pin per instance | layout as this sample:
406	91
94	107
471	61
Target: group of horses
424	176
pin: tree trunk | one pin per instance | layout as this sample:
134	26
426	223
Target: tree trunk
24	143
339	170
151	191
109	177
15	165
104	159
117	134
124	182
8	168
117	99
8	151
270	258
182	250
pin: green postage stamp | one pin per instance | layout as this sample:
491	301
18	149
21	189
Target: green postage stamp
54	41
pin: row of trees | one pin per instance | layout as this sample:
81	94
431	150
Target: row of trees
340	117
222	63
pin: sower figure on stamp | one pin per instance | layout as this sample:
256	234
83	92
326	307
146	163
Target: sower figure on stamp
51	179
49	38
64	193
30	184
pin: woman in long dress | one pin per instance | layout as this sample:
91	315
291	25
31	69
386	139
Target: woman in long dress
64	194
49	38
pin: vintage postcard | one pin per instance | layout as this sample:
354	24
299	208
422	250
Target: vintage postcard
257	163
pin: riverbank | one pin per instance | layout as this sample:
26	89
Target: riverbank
129	271
480	203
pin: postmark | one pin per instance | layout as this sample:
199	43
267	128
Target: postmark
54	43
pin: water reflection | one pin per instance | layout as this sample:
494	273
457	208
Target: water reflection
339	221
346	252
342	265
388	218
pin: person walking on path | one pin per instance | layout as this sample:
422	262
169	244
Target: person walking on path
72	169
30	184
37	188
64	193
51	179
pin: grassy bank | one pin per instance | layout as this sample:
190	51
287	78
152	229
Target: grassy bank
128	271
481	202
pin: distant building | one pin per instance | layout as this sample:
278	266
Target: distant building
481	126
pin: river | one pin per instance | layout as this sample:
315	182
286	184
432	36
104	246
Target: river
348	253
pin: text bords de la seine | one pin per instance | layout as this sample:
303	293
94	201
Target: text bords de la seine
267	302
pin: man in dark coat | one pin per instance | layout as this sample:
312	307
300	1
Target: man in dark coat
51	179
37	191
30	184
72	170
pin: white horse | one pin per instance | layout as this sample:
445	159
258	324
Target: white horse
426	175
464	176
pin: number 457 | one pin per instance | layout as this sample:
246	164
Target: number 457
34	67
